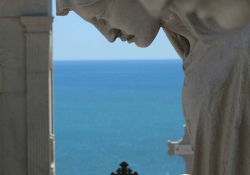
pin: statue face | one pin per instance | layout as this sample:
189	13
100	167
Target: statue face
127	20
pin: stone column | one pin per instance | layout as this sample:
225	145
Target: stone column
39	93
26	104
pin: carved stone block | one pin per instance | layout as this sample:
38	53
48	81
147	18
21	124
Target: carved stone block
26	112
25	7
14	139
12	55
1	79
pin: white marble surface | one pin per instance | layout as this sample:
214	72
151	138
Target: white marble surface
216	90
25	83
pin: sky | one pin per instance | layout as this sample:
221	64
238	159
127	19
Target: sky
76	39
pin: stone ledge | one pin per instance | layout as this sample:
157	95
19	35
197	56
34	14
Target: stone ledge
37	24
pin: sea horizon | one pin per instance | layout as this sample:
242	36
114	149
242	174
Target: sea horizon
109	111
121	59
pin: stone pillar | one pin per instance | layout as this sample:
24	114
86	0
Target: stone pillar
39	92
26	96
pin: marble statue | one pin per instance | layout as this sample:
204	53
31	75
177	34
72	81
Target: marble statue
216	90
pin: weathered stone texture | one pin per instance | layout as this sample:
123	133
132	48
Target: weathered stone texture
26	106
13	97
25	7
39	95
216	91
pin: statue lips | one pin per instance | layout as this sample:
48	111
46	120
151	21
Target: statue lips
116	36
130	39
122	35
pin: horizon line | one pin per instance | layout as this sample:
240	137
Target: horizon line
133	59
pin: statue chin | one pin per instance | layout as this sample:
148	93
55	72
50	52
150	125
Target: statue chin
137	42
143	44
137	26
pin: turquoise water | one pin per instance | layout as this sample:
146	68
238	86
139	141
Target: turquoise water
107	112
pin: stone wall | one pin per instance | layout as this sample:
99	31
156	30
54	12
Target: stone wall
26	113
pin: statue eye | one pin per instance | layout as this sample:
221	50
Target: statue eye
101	15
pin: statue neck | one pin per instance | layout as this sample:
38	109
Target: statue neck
178	33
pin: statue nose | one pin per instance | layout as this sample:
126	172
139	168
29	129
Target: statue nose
109	35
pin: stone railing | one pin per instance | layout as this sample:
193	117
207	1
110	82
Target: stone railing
183	148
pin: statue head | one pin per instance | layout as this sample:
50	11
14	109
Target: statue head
126	19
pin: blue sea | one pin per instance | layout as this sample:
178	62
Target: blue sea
107	112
